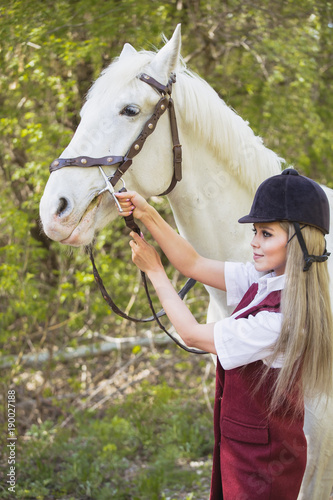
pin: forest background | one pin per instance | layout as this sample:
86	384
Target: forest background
135	422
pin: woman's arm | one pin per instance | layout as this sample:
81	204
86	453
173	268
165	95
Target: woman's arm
179	252
192	333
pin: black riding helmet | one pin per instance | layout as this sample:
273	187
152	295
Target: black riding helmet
294	198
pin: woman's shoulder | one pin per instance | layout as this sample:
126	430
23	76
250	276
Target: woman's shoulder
239	276
244	271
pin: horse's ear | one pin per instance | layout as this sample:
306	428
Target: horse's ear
167	58
128	50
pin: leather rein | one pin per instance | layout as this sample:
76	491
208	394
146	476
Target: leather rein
124	162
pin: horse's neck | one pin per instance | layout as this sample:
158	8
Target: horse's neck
207	204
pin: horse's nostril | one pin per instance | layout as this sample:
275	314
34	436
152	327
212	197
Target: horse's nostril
63	206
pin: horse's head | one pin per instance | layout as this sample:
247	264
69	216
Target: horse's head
117	107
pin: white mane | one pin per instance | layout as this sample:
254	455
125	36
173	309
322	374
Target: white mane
226	133
230	138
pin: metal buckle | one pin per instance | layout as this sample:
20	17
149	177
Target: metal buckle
110	188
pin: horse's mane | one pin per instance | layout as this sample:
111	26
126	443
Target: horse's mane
228	136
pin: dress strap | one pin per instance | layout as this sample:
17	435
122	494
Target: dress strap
247	297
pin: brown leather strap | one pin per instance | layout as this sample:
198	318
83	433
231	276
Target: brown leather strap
126	161
85	161
129	220
148	127
162	89
177	150
189	284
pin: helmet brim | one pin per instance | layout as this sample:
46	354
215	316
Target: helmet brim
251	219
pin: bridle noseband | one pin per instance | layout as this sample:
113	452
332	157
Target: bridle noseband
124	162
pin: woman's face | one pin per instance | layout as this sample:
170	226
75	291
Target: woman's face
269	246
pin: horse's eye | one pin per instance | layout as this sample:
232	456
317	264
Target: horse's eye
130	110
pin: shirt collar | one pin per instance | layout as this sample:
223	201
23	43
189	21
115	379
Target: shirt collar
272	282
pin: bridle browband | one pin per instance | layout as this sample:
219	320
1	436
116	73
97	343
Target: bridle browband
124	162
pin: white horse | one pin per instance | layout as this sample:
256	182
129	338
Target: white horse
223	163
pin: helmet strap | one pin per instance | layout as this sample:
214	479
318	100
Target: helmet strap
295	235
309	259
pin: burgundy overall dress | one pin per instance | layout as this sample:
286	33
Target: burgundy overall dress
256	456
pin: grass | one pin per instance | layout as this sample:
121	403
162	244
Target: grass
153	444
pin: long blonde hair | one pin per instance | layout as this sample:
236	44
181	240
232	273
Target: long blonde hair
306	339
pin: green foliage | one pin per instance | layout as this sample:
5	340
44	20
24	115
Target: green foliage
49	56
272	63
139	449
269	60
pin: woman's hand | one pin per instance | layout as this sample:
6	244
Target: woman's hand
132	203
193	334
144	255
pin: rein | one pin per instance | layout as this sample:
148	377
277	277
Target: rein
155	317
124	162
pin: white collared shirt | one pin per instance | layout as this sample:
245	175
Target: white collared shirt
245	340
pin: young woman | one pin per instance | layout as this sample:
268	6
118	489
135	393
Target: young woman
273	349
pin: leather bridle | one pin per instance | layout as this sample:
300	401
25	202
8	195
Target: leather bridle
124	162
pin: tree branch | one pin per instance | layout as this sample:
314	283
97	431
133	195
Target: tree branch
86	351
